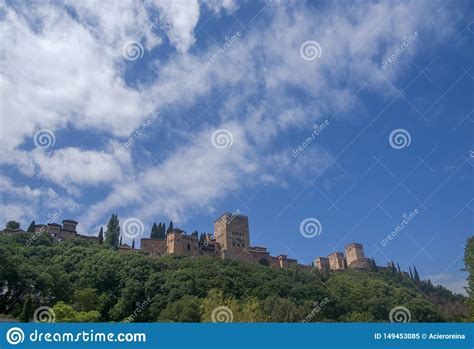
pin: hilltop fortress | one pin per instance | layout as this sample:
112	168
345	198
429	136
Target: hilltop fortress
231	240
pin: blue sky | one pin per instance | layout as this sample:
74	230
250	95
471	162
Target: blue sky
184	110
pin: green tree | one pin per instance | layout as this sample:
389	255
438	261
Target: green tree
415	274
216	308
85	299
31	227
101	236
251	311
64	312
113	231
170	228
133	244
469	267
186	309
12	225
27	309
154	231
161	231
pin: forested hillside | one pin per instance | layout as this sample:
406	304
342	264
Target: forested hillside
87	282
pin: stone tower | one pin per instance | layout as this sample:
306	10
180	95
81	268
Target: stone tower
231	231
336	261
354	252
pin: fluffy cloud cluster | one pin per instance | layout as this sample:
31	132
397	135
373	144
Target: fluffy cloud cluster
61	69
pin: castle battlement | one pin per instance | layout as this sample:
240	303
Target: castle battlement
230	240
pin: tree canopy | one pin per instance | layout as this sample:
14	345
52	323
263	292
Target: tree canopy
83	281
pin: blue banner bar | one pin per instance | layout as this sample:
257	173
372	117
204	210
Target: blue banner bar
160	335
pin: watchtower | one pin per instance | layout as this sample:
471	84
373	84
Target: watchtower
231	231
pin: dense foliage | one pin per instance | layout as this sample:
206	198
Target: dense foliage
91	282
469	262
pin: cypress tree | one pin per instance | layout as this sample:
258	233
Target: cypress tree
101	236
113	231
415	274
164	230
161	231
373	264
170	228
31	227
398	267
120	242
133	244
154	231
411	274
392	267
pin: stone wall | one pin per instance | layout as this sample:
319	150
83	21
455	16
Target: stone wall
156	247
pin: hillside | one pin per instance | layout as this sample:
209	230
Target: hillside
88	282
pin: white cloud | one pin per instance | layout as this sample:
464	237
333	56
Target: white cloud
23	203
76	81
68	166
